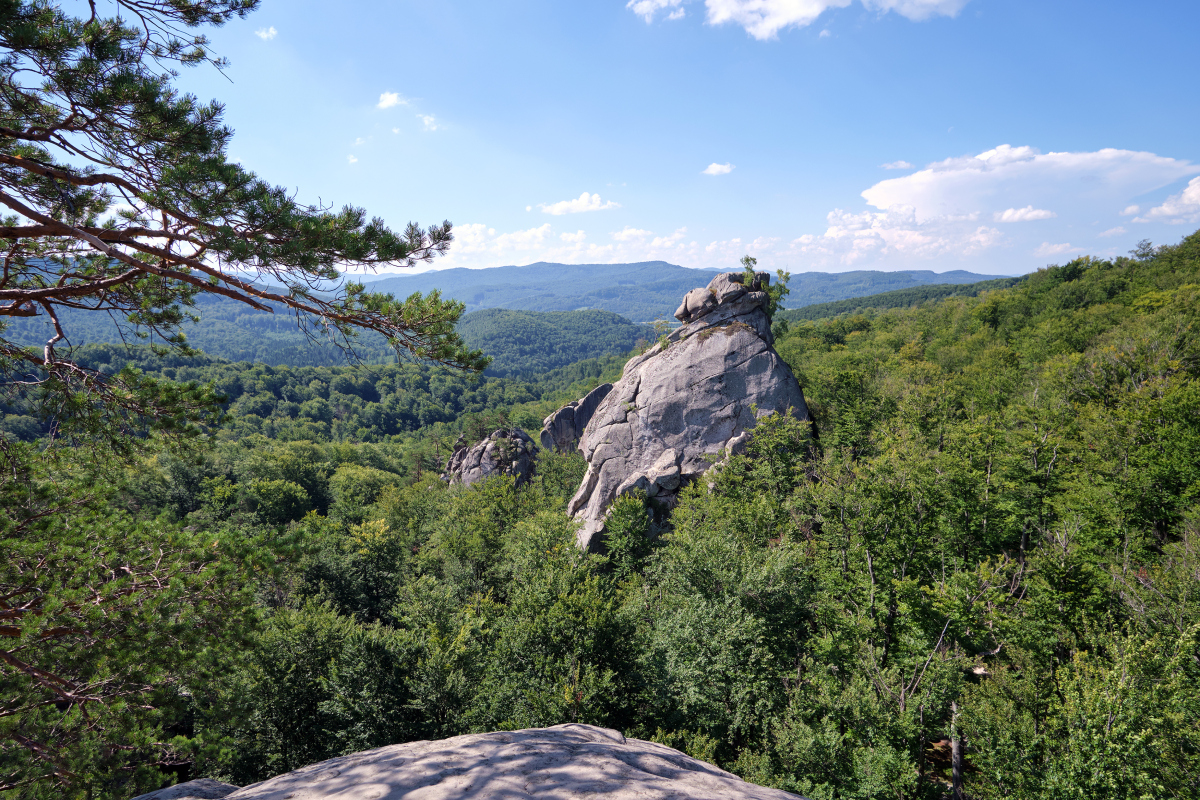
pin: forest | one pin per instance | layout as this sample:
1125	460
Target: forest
989	541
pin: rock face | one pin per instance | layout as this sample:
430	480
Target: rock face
508	451
678	406
202	789
566	761
563	429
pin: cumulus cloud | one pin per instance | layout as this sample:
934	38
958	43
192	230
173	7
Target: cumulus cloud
266	34
996	178
918	9
428	121
1178	208
646	9
897	165
1131	210
351	160
1117	231
678	13
630	234
717	169
764	19
825	34
389	99
1026	214
573	238
585	202
1046	250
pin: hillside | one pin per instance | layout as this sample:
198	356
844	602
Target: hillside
900	298
531	343
579	307
640	292
521	342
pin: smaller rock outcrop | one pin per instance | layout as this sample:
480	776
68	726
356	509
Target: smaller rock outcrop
508	451
563	429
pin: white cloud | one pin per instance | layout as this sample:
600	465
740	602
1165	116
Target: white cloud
1002	177
1117	231
646	9
918	9
585	202
676	14
717	169
389	99
351	159
825	34
670	240
1131	210
428	121
1026	214
395	130
359	140
1046	249
897	165
631	234
1179	208
266	34
573	238
764	19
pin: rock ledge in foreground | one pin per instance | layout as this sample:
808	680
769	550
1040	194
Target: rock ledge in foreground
566	761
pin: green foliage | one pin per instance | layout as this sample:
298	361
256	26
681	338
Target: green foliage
987	543
899	298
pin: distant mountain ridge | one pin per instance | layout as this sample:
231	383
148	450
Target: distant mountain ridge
641	292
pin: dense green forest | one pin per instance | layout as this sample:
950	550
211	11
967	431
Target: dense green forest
525	343
992	542
900	298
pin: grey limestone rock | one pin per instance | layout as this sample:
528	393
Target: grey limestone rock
563	429
565	761
202	789
508	451
677	407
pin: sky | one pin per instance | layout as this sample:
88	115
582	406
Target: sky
996	136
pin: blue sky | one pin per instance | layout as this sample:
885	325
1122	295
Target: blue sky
813	134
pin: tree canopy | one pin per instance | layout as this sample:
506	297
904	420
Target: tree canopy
123	199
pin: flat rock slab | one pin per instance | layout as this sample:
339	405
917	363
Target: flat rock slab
565	761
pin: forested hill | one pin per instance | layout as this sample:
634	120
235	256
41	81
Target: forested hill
523	343
641	292
900	298
530	343
542	328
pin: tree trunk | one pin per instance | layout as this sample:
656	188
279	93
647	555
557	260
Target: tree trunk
956	755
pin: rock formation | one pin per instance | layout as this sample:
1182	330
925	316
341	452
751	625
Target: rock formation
508	451
683	402
566	761
563	429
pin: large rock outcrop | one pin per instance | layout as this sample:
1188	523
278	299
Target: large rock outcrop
566	761
683	402
508	451
563	429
